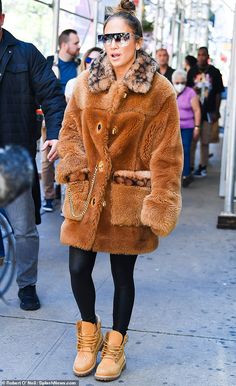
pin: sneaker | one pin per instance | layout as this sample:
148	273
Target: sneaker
29	299
201	172
187	180
47	206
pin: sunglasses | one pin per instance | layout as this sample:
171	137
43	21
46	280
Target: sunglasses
121	38
180	82
88	60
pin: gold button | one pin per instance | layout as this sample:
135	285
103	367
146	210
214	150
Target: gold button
104	203
93	201
100	166
114	131
125	95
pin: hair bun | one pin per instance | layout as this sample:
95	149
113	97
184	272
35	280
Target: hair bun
126	6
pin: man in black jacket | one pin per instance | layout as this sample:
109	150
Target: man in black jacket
162	58
26	81
207	82
65	66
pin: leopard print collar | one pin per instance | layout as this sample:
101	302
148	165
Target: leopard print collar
138	78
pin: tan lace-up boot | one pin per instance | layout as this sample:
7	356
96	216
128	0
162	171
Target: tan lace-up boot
113	357
89	342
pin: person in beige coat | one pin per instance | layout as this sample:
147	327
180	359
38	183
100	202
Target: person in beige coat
121	159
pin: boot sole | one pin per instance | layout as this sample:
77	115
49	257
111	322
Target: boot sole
110	378
30	308
87	372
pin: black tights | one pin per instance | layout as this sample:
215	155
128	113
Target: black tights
81	265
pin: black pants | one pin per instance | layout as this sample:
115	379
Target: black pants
81	265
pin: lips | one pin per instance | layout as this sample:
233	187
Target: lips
115	55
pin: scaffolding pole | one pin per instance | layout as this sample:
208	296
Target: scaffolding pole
180	55
227	219
155	30
140	10
95	22
56	13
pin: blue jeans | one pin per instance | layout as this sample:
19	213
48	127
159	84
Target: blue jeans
187	136
2	249
21	214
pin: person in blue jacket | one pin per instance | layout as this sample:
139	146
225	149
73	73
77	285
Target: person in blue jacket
27	81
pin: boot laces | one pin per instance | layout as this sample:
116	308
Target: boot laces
112	351
86	342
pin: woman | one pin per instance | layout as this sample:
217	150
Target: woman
86	61
190	119
190	61
88	58
121	157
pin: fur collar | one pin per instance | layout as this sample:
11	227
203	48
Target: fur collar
138	79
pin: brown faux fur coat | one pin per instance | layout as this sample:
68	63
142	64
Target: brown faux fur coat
120	143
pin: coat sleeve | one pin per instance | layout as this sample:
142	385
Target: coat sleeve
71	150
47	90
162	207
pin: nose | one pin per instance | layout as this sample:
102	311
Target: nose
113	43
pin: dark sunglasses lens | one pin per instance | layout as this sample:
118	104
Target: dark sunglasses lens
126	36
101	38
118	37
106	39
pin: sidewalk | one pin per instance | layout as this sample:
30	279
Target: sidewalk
183	328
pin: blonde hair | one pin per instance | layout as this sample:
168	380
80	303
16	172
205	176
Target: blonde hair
86	55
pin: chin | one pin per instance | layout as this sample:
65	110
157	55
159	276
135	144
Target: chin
116	64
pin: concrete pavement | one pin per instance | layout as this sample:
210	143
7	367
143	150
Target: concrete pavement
183	328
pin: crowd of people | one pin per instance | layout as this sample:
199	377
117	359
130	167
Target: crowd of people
121	160
198	87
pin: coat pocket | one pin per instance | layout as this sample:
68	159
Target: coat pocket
126	204
75	200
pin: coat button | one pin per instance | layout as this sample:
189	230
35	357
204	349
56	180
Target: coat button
99	127
104	204
114	131
125	95
93	201
100	166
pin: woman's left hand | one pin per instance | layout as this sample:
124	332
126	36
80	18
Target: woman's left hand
196	133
